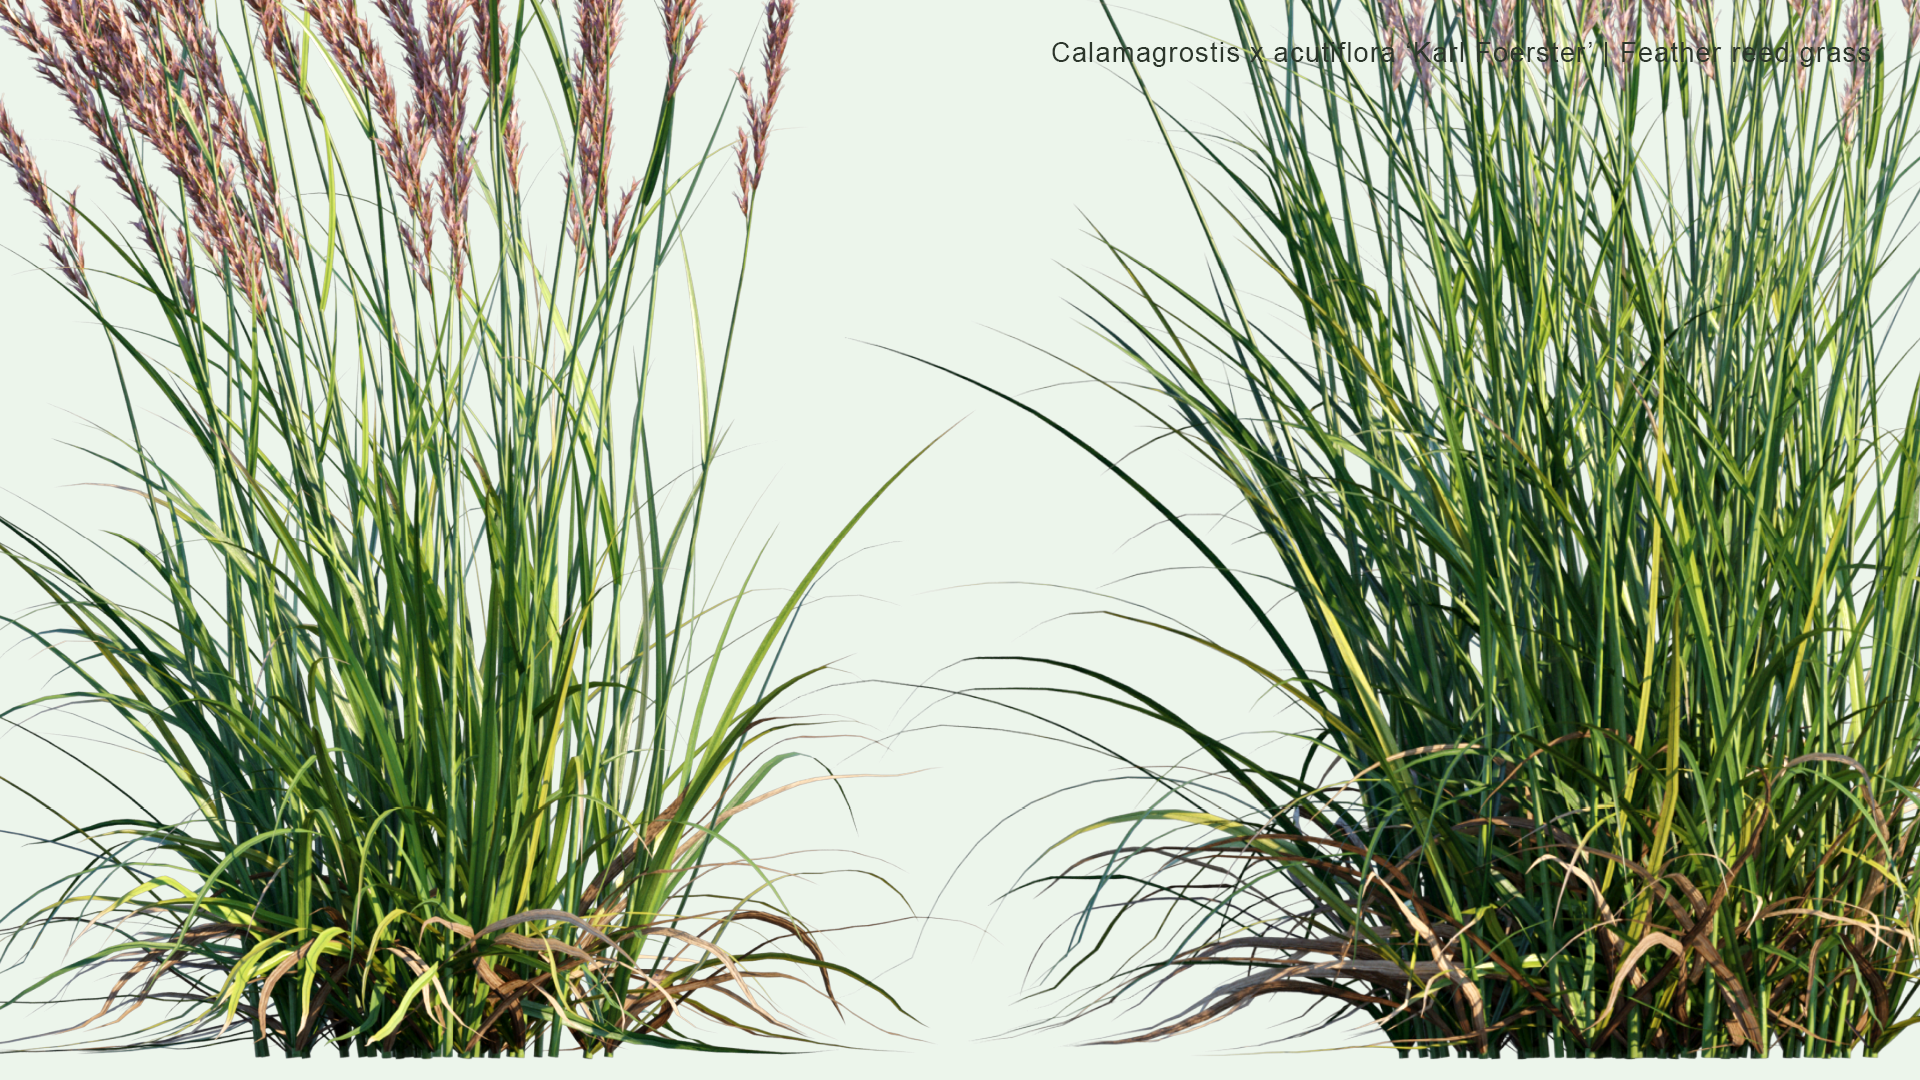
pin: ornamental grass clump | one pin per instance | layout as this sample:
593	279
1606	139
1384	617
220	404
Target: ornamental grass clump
459	714
1557	388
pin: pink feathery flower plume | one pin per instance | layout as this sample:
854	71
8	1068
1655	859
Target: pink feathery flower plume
447	120
490	40
410	146
683	28
67	73
402	143
1470	18
1863	36
1543	16
1589	17
277	44
1813	33
1390	38
1413	30
599	32
63	236
1403	25
1662	21
1619	25
1699	24
150	75
751	150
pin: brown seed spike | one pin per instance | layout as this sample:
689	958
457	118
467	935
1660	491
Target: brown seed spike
1812	35
277	44
683	27
398	15
1863	37
63	238
751	150
447	60
599	33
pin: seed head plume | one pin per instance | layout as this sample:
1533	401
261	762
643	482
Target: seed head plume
1543	15
1662	21
1699	25
447	119
63	231
750	152
683	28
189	293
277	44
409	148
400	143
1390	37
1813	33
1403	25
492	45
1413	31
1863	37
57	67
512	146
150	75
599	34
350	40
489	42
1589	18
254	233
1618	24
398	15
1470	18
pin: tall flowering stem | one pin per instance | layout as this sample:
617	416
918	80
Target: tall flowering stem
1393	37
1413	16
1863	38
1699	23
1813	16
400	141
277	43
491	39
1503	27
1663	21
598	31
1619	24
447	118
750	150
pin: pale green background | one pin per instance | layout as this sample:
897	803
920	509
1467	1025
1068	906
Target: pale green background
928	178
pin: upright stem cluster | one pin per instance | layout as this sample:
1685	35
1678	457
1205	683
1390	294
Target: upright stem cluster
1577	464
458	710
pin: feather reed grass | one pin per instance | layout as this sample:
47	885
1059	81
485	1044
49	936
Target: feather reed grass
459	713
1570	446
